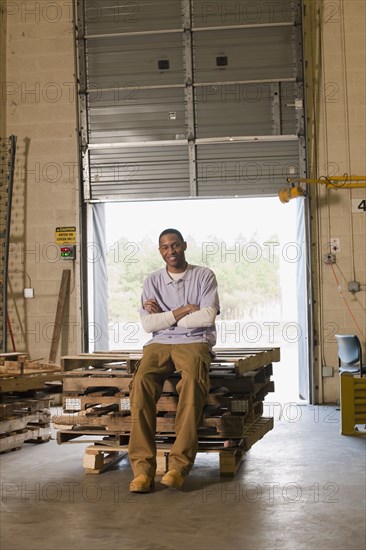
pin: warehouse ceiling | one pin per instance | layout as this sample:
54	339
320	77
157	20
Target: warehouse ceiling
188	98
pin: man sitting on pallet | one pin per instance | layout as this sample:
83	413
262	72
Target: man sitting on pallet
179	306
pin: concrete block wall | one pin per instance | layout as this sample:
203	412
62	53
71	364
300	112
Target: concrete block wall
40	100
336	98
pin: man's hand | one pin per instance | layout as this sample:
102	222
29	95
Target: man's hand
181	312
152	306
191	308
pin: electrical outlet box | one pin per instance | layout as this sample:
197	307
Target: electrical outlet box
354	286
28	293
327	372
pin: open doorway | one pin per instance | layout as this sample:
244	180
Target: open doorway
253	247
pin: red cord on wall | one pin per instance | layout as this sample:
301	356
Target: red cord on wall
10	331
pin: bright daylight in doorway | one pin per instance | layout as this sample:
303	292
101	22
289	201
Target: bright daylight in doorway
251	246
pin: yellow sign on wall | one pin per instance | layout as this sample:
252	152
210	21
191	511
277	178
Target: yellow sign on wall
65	235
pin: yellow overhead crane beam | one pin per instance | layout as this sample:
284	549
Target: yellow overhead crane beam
332	182
335	182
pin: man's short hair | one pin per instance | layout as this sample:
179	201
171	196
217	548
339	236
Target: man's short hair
169	231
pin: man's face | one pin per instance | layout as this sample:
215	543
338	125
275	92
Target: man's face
172	249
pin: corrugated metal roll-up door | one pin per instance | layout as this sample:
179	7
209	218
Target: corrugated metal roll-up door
185	98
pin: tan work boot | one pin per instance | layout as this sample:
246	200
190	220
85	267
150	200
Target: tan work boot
142	483
174	479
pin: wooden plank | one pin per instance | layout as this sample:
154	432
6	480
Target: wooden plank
228	426
256	361
94	372
81	384
16	440
30	382
65	436
63	293
22	406
97	459
230	353
261	393
72	362
13	368
230	461
20	423
162	460
256	431
12	356
13	441
26	375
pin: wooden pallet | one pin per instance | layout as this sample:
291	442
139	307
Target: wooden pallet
119	400
226	427
241	360
99	457
110	400
22	421
97	406
73	435
98	397
231	454
15	440
15	405
21	374
86	381
125	360
24	409
95	387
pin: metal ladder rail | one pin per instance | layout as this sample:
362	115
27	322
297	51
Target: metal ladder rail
7	164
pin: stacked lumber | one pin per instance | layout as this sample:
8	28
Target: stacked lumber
96	405
24	400
19	374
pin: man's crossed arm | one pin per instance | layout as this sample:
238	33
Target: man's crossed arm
188	316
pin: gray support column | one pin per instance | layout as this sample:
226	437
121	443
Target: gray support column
187	26
83	98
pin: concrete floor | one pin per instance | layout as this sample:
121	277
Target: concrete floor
301	487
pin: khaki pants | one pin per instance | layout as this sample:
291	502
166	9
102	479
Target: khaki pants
159	361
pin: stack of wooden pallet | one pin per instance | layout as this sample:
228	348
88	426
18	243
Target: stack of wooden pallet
96	404
24	400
